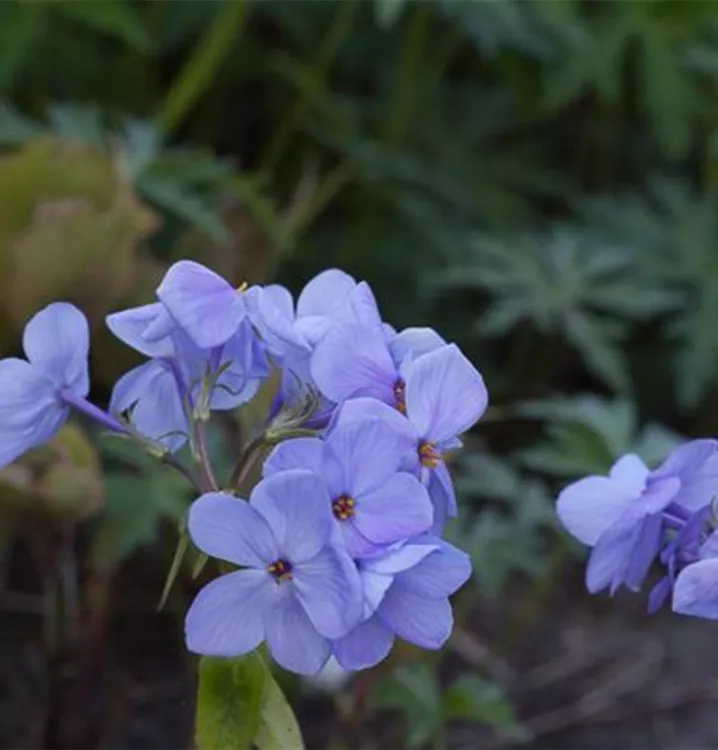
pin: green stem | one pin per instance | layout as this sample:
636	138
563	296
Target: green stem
308	94
246	460
196	76
199	449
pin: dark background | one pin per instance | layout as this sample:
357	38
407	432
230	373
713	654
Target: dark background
535	179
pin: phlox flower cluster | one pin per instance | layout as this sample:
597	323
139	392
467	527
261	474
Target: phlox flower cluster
635	517
338	550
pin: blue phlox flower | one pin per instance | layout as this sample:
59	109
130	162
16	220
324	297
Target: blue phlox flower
624	516
444	396
207	307
329	298
160	392
375	365
405	592
373	503
295	590
36	394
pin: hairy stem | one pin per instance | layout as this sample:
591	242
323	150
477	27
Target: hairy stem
199	444
247	458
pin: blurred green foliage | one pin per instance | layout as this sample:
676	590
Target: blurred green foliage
538	180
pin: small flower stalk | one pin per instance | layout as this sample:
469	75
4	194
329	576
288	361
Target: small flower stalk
338	550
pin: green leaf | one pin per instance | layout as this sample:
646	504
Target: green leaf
135	505
387	12
230	698
21	27
587	434
473	699
188	206
115	18
278	727
415	692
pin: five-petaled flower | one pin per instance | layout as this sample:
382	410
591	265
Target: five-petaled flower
374	503
295	589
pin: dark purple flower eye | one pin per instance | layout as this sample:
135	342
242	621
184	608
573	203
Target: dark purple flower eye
281	570
343	507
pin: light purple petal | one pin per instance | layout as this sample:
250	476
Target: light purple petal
271	309
129	326
589	507
657	495
609	557
630	473
443	497
369	643
233	390
709	548
398	509
292	639
440	573
329	589
374	586
30	414
445	394
696	590
414	342
230	529
354	361
298	509
364	455
227	616
399	559
370	408
355	543
311	329
363	307
150	390
327	294
298	453
421	621
696	464
160	327
136	384
57	341
644	552
659	594
202	302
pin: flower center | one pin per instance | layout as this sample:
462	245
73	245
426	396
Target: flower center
429	455
281	570
343	507
242	287
400	395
